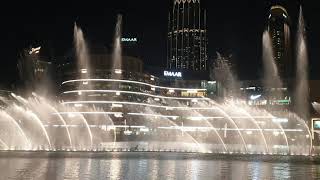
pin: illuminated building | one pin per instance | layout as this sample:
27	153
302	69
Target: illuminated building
279	29
187	36
132	98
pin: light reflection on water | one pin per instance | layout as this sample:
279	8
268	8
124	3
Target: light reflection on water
150	168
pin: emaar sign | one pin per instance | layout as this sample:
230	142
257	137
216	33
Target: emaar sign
129	39
172	74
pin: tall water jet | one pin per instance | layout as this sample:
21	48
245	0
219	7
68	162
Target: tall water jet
225	77
302	86
82	56
117	51
271	77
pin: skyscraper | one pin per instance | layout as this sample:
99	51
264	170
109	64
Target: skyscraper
187	36
279	29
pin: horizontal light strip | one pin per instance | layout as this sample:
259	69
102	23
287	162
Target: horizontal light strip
154	115
131	92
182	128
227	129
193	118
129	81
139	104
67	113
95	126
254	117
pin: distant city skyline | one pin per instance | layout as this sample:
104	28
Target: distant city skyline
234	28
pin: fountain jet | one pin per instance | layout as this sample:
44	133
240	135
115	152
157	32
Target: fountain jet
302	85
271	75
117	51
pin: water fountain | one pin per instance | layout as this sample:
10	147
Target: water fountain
271	76
152	122
117	54
302	85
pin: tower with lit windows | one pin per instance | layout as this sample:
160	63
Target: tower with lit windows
279	29
187	36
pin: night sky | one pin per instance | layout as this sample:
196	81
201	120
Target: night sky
235	27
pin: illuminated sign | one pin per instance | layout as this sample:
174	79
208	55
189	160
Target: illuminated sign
129	39
316	124
172	74
255	97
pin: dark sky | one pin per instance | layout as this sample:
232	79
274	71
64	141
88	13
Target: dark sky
234	27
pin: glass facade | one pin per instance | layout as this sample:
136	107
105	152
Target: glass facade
279	29
187	36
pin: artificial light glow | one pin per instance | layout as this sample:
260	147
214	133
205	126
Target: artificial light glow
137	93
280	120
78	112
140	104
195	118
118	71
35	50
199	118
192	91
171	90
212	82
129	81
275	131
172	74
84	71
118	115
250	88
255	97
153	115
118	93
127	132
85	82
77	105
144	129
116	105
129	39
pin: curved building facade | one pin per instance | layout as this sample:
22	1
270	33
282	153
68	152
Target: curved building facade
139	105
187	36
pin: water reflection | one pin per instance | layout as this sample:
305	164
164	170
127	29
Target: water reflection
156	167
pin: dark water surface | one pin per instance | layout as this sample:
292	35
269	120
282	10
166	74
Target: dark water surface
148	166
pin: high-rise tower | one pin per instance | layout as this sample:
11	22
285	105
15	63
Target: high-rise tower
279	29
187	36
